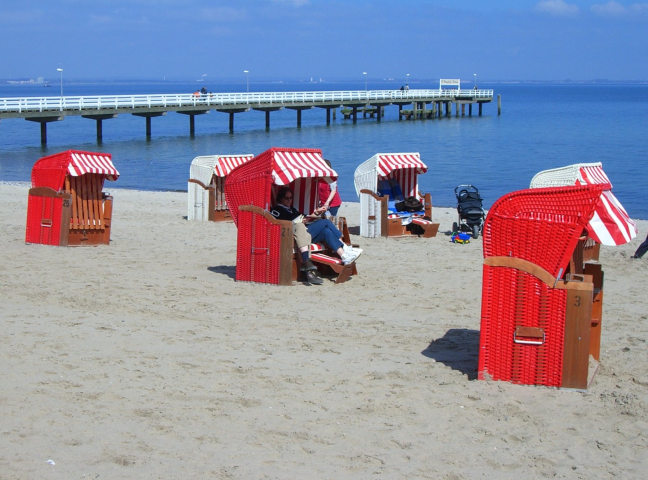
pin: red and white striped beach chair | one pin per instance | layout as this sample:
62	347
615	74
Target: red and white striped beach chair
540	320
206	186
383	180
66	205
265	245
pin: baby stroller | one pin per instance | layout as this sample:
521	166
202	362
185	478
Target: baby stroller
471	212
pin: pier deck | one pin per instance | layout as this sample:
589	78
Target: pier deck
49	109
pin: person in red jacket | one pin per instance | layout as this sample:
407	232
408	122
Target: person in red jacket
329	198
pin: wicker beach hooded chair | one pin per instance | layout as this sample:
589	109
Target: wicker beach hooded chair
611	225
382	183
265	245
206	186
539	324
67	205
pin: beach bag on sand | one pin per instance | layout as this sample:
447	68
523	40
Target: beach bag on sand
409	204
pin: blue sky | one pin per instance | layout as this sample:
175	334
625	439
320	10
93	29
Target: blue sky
328	39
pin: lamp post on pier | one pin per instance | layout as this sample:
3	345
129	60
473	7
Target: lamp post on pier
247	81
365	74
475	80
61	70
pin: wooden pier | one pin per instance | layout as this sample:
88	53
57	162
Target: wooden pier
423	103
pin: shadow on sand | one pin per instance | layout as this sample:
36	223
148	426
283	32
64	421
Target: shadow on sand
229	270
457	349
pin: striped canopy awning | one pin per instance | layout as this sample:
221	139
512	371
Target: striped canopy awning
387	163
226	164
82	163
291	165
611	225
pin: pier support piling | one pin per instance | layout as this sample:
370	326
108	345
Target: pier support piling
43	125
148	117
99	119
480	108
499	104
192	121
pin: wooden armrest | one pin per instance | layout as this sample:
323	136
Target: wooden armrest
47	192
198	182
265	214
373	194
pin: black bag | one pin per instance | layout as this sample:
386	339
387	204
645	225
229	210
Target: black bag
410	204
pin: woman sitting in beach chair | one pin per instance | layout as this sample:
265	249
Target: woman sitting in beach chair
308	229
266	250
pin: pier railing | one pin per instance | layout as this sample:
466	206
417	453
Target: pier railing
215	100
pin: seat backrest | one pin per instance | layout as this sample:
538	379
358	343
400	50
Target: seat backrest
87	200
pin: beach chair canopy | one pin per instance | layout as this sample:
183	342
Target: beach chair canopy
403	167
50	171
257	181
610	224
203	167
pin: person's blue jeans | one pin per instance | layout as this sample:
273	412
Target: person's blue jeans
333	211
643	248
323	231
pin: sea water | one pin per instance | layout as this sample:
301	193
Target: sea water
540	127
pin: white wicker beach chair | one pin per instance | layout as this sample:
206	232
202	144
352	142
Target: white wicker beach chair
375	217
206	186
611	224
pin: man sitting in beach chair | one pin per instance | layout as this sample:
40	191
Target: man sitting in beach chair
308	229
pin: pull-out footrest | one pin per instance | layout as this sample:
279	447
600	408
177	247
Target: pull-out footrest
335	264
430	228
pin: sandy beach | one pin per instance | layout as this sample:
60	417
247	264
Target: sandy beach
146	359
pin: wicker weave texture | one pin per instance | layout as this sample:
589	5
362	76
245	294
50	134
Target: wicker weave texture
258	249
39	209
511	299
541	226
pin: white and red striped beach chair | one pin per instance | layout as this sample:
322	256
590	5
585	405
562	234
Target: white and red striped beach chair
206	186
265	245
385	179
611	224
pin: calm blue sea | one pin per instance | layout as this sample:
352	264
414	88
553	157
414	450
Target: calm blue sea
541	127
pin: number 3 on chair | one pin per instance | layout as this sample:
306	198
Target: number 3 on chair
577	301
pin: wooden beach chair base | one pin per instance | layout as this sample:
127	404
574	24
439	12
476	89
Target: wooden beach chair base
266	251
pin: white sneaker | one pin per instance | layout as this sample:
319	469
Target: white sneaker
347	248
348	258
357	251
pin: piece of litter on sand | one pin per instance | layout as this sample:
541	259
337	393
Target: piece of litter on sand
51	462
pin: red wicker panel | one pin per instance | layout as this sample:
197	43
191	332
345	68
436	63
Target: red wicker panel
511	299
258	249
39	209
540	225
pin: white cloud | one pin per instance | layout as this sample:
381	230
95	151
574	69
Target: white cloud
615	9
556	7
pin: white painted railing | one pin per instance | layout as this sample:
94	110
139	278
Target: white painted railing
214	100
